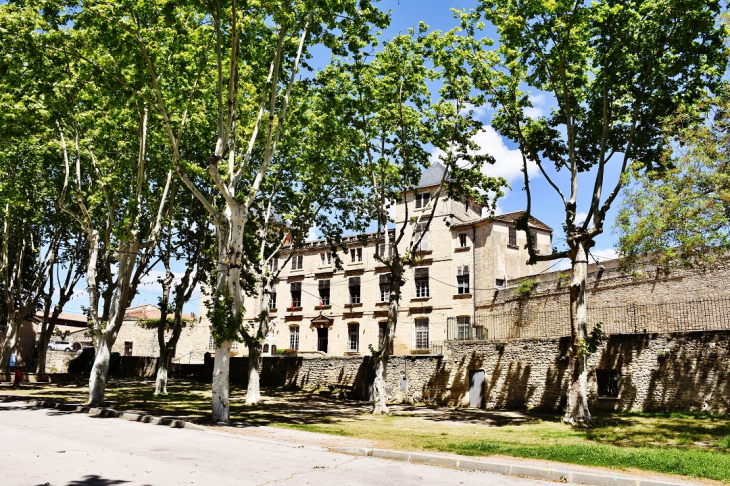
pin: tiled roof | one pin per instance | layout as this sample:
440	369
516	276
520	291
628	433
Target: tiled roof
149	312
507	218
432	176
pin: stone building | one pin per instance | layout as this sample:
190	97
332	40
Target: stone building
319	309
137	340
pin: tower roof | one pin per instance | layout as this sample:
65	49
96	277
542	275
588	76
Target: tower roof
432	176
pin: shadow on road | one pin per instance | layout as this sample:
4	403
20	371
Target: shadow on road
91	480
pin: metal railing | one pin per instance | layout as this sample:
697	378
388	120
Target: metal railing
526	322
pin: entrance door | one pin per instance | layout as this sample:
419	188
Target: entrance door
476	389
322	338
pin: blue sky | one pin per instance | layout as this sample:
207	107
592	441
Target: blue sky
547	206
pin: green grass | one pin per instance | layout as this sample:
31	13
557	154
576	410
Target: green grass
696	445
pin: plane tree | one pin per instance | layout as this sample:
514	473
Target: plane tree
615	70
390	101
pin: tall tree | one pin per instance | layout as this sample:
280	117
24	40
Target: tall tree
399	120
615	69
257	52
188	239
326	192
63	274
680	214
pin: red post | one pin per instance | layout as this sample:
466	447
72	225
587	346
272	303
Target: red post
18	377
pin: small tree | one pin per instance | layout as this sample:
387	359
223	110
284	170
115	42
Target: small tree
616	69
680	214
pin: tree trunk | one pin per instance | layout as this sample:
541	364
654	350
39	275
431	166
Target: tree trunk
253	392
221	367
9	344
42	353
161	382
380	393
577	412
99	373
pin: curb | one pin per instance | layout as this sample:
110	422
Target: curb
111	413
560	475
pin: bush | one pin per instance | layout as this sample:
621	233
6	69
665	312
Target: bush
287	352
526	287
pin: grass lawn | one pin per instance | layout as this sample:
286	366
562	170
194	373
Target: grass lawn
687	444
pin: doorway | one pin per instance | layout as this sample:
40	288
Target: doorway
322	339
476	389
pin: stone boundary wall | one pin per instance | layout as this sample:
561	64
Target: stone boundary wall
57	361
610	287
670	372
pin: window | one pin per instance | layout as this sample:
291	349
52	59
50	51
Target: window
512	236
211	343
354	284
607	381
533	238
382	250
234	346
385	288
421	333
356	255
463	240
128	348
294	337
463	326
382	327
353	337
324	292
421	278
422	199
499	283
273	265
326	259
421	228
462	280
272	298
296	294
296	262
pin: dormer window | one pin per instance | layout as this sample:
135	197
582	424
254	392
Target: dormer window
326	259
463	240
422	199
355	255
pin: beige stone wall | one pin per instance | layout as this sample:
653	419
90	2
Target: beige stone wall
672	372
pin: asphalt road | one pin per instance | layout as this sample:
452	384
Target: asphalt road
42	446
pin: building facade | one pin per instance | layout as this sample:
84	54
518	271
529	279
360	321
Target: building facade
319	309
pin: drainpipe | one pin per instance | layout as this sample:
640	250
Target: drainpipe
474	266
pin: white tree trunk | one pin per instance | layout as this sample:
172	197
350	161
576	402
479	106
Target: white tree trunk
253	392
221	367
577	412
97	380
380	393
161	382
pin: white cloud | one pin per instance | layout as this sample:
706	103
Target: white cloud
580	217
480	112
312	235
538	102
508	162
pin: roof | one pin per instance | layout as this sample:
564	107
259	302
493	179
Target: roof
507	218
67	318
432	176
148	311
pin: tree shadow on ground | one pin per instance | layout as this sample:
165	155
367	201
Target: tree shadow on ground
92	480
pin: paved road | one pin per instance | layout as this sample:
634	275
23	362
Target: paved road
42	446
